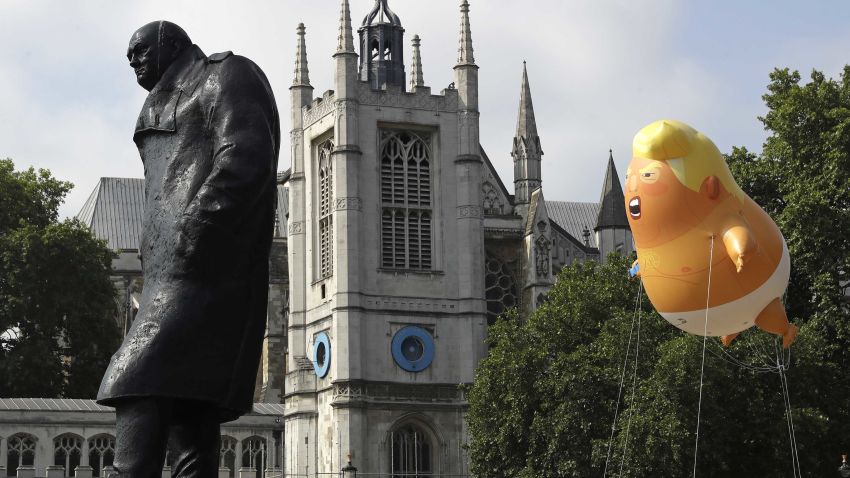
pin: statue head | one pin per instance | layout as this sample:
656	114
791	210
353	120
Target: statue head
153	48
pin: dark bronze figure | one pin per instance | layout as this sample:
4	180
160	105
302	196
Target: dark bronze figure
208	135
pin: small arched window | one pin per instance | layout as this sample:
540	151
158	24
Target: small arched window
373	49
254	454
227	455
67	451
101	453
20	451
411	452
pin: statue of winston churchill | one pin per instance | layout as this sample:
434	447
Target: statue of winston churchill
208	135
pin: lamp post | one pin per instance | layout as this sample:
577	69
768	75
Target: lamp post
349	471
844	469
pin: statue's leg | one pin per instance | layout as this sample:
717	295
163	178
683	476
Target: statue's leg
141	433
194	440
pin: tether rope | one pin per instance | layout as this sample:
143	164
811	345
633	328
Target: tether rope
623	376
634	389
795	458
704	343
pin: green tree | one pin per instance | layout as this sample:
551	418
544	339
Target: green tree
543	402
57	302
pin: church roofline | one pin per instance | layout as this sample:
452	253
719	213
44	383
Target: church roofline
496	175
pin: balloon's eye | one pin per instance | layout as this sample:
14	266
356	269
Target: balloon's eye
649	177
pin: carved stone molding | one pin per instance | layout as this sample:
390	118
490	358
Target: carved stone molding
319	111
295	228
421	99
346	107
468	212
348	204
379	391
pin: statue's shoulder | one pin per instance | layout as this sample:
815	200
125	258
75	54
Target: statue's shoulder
220	57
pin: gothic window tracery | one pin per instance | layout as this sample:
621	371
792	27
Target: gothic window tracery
20	451
101	453
254	454
406	216
492	202
325	210
500	288
67	451
411	452
227	455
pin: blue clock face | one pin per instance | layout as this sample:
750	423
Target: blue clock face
413	348
322	354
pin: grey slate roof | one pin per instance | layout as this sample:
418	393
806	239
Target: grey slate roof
52	404
575	217
612	212
79	405
114	211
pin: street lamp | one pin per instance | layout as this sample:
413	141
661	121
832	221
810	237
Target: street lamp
844	469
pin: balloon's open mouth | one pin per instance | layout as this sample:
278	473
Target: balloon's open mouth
634	208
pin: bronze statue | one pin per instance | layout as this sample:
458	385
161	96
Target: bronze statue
208	135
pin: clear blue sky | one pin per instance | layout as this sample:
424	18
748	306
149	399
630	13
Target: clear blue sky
599	71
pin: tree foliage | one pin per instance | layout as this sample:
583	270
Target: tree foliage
57	302
543	402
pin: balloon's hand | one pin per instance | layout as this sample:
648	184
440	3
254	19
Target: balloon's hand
740	244
634	271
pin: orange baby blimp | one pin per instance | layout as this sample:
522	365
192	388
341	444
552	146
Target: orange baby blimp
686	211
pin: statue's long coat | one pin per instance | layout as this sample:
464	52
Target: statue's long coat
209	136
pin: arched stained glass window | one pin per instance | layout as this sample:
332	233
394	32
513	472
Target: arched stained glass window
500	288
411	453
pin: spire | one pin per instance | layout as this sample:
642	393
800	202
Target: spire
302	73
612	203
465	55
416	78
527	153
345	42
526	126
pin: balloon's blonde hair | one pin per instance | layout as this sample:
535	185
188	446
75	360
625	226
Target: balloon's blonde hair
690	154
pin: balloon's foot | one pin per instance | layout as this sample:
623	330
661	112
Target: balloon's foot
726	340
789	336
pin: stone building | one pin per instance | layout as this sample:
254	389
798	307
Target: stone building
56	438
397	245
403	245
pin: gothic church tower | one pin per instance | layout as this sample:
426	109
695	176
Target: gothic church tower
386	253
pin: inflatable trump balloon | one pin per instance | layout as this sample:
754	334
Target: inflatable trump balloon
688	218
